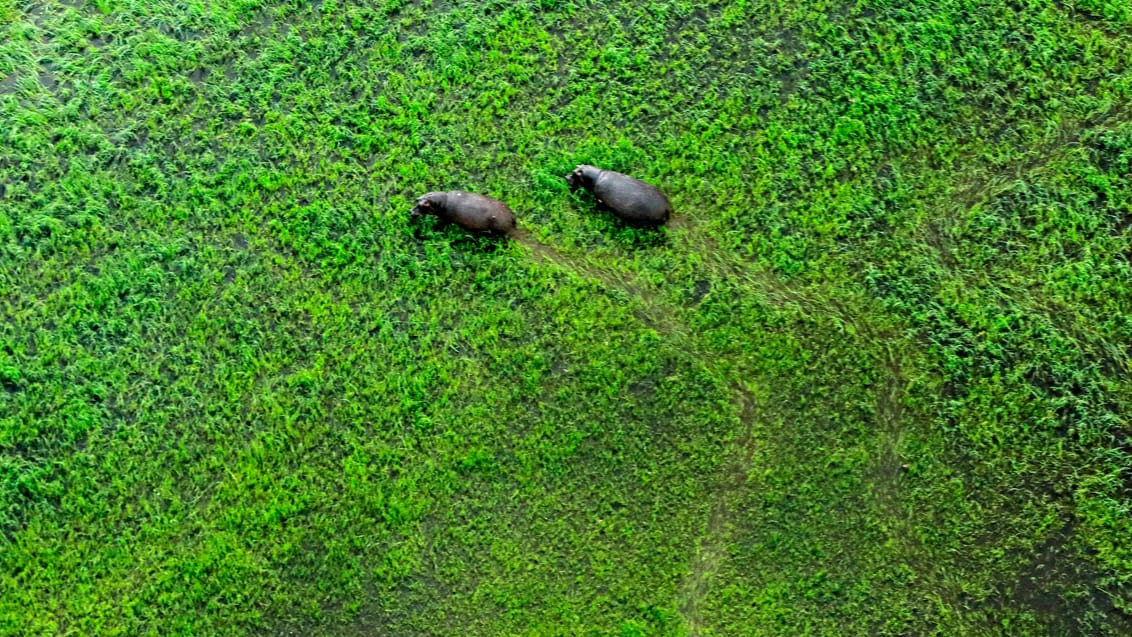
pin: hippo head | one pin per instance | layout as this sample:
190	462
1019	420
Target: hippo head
582	176
428	203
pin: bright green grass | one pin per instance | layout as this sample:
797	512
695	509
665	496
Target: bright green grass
874	380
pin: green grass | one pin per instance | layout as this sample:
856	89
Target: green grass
873	380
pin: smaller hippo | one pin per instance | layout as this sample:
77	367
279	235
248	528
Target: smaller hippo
631	199
467	210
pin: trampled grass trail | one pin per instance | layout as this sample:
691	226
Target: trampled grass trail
711	547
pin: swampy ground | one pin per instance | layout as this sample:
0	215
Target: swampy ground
873	379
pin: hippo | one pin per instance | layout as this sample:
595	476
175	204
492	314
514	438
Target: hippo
468	210
631	199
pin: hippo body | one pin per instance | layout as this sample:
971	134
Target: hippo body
631	199
467	210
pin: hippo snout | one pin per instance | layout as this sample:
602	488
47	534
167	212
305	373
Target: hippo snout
577	178
424	204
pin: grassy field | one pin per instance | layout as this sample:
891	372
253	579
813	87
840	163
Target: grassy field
873	379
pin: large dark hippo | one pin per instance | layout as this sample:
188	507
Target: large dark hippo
467	210
631	199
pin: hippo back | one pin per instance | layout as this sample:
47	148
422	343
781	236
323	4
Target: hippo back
632	199
477	212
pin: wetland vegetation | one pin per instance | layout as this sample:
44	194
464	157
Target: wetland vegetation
872	378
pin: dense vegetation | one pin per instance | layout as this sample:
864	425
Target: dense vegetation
873	380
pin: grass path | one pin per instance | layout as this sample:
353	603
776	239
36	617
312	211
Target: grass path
711	547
